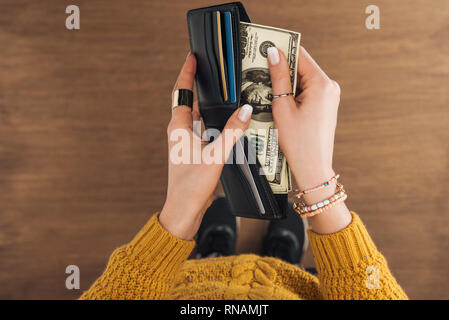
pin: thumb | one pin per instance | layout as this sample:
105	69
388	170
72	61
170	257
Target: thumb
234	129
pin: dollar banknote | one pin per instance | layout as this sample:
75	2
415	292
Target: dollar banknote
256	91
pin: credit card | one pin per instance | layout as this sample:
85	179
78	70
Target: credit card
221	58
230	56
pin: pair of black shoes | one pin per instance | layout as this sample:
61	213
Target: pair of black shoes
285	239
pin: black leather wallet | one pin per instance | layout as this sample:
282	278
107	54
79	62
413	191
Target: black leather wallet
248	192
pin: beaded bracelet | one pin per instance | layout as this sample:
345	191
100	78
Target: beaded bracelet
310	210
324	184
304	208
315	212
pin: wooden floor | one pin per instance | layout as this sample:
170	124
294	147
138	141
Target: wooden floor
83	115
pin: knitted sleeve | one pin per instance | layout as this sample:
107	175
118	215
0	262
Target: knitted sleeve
143	269
350	266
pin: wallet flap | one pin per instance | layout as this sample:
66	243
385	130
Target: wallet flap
213	107
239	190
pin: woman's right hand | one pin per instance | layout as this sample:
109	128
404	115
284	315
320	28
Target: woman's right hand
306	123
306	128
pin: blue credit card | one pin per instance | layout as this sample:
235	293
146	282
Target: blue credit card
230	56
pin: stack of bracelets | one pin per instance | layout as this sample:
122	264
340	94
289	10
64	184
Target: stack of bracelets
307	211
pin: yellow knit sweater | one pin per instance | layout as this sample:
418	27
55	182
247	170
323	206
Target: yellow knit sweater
154	265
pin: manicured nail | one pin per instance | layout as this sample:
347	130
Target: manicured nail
273	55
245	113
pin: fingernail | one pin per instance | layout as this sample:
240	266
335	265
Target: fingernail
273	55
245	113
188	54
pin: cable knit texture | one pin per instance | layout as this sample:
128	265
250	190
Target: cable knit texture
154	265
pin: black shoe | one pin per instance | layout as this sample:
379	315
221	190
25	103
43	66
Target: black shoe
286	239
217	234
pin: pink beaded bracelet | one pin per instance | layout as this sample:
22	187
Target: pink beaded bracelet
319	210
304	208
324	184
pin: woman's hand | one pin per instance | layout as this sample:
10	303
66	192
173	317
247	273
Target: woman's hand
306	123
192	183
306	127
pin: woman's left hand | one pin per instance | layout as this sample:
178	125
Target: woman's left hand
191	183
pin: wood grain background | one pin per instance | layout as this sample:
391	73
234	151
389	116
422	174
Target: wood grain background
83	115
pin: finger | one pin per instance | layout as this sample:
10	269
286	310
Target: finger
308	68
196	111
197	124
234	129
280	81
279	71
182	115
187	75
